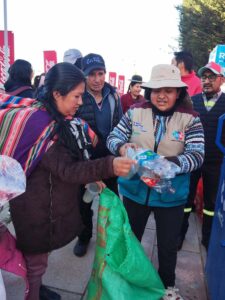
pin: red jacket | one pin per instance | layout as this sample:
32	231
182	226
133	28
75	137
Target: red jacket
11	259
193	83
127	101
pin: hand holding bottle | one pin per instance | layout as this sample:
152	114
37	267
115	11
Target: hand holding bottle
122	165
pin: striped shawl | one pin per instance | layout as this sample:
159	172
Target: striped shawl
26	130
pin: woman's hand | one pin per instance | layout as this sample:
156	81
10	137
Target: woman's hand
123	149
101	185
122	165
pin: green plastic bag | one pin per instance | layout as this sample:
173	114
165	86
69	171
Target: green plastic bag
121	269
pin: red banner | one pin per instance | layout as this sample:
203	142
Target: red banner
112	78
10	58
121	84
50	59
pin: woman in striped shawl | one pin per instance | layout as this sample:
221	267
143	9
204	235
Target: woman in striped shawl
52	147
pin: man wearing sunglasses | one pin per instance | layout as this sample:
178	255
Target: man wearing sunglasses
210	104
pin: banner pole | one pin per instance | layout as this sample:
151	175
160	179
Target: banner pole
6	43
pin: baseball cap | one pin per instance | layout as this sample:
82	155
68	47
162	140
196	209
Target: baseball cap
213	67
92	62
164	75
72	55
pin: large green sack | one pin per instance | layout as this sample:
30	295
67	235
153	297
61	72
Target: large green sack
121	269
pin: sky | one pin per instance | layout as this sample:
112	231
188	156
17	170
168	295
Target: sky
131	35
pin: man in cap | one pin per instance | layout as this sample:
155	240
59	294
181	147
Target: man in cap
102	110
184	61
73	56
210	104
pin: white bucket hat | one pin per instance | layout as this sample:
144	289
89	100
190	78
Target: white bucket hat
164	75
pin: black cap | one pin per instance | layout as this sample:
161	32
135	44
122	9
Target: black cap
136	78
92	62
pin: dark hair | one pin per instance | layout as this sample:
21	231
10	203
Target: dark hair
184	99
78	63
185	57
63	78
37	79
37	87
21	71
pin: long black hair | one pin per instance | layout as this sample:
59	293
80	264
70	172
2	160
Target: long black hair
63	78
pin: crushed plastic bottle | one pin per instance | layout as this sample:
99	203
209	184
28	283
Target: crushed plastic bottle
153	169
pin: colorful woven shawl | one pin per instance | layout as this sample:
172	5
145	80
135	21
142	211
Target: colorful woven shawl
25	130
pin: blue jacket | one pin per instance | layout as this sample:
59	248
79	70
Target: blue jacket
101	121
138	191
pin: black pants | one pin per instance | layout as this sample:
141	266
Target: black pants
168	225
210	178
87	213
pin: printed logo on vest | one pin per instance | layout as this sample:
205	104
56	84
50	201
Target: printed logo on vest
178	135
139	126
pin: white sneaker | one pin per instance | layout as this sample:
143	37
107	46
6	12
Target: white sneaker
172	294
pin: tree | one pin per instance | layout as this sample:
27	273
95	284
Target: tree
202	27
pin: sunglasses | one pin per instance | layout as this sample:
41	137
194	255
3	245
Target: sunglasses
211	77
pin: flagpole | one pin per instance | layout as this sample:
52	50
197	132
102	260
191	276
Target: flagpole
6	43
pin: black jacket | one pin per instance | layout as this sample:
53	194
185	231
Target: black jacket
87	113
19	89
209	120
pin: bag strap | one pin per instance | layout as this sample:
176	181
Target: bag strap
20	90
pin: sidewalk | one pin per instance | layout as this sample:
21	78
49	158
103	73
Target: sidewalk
68	275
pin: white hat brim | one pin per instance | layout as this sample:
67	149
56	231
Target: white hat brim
156	84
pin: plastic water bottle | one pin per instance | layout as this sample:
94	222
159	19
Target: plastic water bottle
92	191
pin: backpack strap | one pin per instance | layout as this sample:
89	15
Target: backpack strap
20	90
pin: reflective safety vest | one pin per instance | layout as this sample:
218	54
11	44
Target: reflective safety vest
209	213
187	210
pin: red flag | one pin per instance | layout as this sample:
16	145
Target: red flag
50	59
121	83
112	78
3	71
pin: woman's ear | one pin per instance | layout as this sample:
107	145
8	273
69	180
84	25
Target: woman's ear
56	95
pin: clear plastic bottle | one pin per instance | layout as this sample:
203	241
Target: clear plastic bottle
92	191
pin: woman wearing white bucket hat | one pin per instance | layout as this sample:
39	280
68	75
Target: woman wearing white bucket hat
167	125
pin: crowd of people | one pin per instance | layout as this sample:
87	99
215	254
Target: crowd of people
71	128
